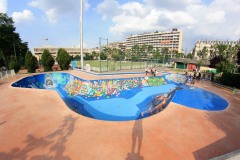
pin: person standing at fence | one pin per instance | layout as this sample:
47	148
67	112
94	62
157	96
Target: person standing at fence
154	73
146	70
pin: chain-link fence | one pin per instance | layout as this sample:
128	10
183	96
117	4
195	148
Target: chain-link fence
6	74
107	65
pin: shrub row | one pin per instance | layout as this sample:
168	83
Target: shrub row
229	79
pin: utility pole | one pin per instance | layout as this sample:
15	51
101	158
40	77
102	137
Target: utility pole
81	32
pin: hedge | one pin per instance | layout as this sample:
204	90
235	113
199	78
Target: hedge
229	79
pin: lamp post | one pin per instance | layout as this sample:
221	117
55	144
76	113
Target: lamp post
81	32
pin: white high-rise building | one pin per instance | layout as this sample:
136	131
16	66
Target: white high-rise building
169	39
208	43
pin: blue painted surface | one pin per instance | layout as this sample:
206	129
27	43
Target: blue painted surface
200	99
125	104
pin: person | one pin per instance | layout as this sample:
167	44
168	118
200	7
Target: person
186	73
146	70
154	73
194	75
190	78
192	83
199	75
204	76
212	76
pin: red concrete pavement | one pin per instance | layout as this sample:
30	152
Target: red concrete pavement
37	125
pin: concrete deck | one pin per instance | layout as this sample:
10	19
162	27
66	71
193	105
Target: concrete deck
37	125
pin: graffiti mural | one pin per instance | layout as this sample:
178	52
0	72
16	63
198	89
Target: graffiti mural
95	88
99	88
159	102
177	78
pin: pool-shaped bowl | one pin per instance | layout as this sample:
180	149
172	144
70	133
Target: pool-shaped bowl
126	98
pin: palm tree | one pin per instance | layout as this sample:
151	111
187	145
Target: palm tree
149	50
143	51
164	51
135	52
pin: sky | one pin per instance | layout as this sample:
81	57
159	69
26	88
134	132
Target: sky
57	22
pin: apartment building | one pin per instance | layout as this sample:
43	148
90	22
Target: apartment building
169	39
118	45
72	51
208	43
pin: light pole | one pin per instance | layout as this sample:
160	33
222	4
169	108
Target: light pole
81	32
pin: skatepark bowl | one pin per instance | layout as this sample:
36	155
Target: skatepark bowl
124	99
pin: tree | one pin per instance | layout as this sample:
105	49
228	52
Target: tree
225	66
10	41
156	54
180	55
238	58
47	60
88	56
95	54
135	52
224	57
143	50
116	57
216	60
30	62
63	59
103	56
202	54
149	50
185	62
77	57
189	56
238	55
1	58
165	52
200	63
14	64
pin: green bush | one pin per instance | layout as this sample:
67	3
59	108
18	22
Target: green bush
30	62
63	59
47	60
229	79
14	64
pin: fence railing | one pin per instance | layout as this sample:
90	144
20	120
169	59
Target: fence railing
7	74
107	65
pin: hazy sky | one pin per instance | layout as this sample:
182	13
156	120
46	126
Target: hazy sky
58	20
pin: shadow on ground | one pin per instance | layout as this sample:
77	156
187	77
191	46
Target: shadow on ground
55	141
137	137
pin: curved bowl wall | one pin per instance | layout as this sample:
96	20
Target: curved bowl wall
113	99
